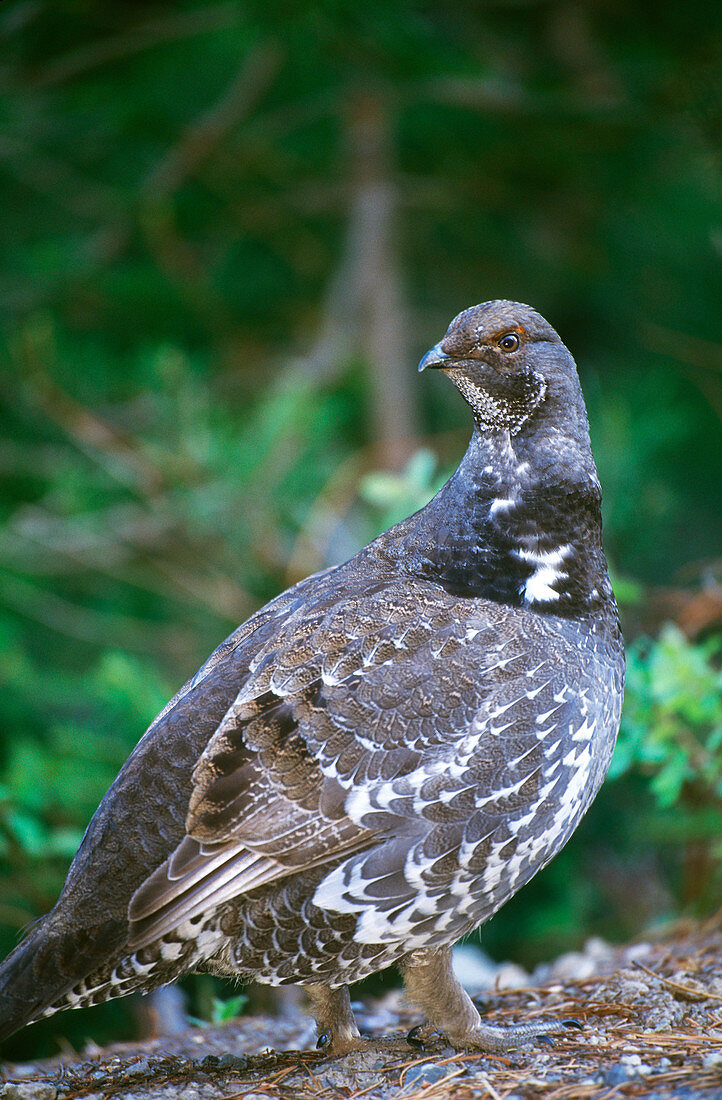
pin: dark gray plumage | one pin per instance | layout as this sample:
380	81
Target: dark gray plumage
380	757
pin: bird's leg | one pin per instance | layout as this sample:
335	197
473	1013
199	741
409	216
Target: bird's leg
432	986
334	1018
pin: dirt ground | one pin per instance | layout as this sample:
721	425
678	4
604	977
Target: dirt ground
651	1017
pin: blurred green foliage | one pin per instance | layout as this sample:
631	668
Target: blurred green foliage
672	735
202	397
222	1010
673	719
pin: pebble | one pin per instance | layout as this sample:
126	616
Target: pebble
713	1060
637	951
599	949
511	976
474	969
573	966
477	972
28	1090
617	1075
139	1069
576	965
428	1073
635	1064
223	1061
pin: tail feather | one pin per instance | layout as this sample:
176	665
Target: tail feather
42	970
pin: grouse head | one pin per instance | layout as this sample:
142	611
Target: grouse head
508	363
521	515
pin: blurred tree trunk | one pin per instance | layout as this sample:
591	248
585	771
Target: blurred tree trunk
384	329
365	311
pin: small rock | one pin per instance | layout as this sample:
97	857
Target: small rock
576	965
635	1065
598	948
511	976
215	1062
139	1068
713	1060
637	951
616	1075
474	969
28	1090
428	1073
233	1062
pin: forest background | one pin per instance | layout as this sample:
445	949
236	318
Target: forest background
229	231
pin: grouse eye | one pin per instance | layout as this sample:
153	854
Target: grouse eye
509	342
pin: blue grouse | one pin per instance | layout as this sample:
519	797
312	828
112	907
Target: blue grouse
382	755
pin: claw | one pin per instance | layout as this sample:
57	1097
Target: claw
544	1040
414	1038
574	1023
323	1040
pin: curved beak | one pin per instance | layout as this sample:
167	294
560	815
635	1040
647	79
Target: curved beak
435	357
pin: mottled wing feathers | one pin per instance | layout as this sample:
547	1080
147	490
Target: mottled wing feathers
358	720
166	900
260	810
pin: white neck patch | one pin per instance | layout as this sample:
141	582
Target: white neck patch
539	587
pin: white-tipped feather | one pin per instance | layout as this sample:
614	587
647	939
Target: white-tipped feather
245	872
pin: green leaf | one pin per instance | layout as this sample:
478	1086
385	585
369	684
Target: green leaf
223	1010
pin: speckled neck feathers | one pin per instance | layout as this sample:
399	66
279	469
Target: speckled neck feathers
511	529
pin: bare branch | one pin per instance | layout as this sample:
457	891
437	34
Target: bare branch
365	310
201	138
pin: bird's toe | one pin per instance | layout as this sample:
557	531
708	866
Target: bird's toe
499	1040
